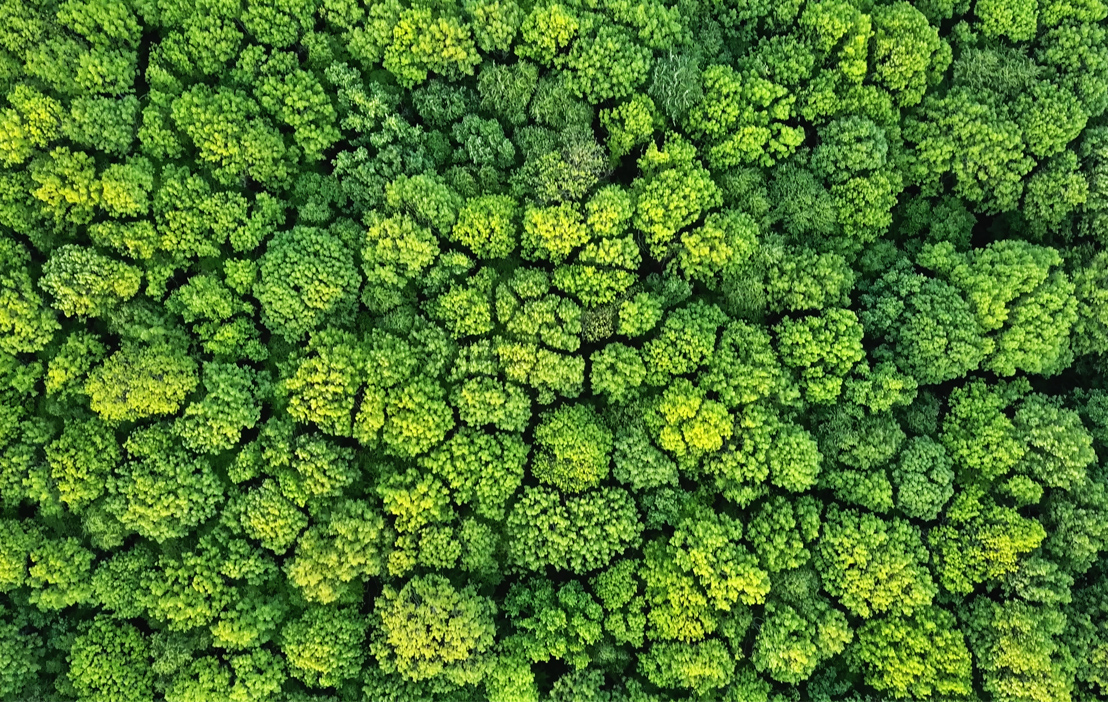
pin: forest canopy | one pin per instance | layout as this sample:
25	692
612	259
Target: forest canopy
520	350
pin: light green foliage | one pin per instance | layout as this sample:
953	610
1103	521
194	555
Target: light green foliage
396	252
324	645
687	424
337	553
638	463
796	637
977	433
959	135
83	283
230	135
1015	20
606	64
429	629
18	543
141	380
744	368
163	491
59	573
606	266
673	191
32	121
483	401
269	517
1030	315
307	277
296	98
742	119
786	454
981	541
482	470
640	314
701	667
590	350
573	448
820	351
550	373
494	23
422	43
872	565
725	241
102	123
429	200
81	459
552	233
1017	651
102	662
486	226
66	185
230	405
629	124
576	532
908	51
780	531
325	380
311	466
685	342
698	573
917	656
616	370
1059	447
618	589
26	324
547	30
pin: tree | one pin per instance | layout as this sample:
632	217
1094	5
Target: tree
323	645
573	448
796	637
573	532
230	406
874	566
981	541
1015	646
820	351
396	252
698	574
27	323
163	491
428	629
742	119
141	380
230	135
487	226
923	477
701	667
81	460
307	278
338	552
672	192
103	660
917	656
553	623
482	469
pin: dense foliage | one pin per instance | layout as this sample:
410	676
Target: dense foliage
586	350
